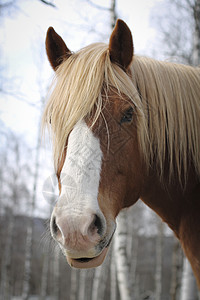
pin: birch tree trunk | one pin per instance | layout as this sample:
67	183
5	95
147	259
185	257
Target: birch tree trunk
133	265
13	199
27	265
159	254
113	277
82	279
56	268
45	266
103	278
132	250
44	279
73	284
113	13
5	288
29	239
96	283
188	288
121	257
29	236
177	262
196	47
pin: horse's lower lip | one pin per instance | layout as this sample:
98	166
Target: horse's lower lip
86	263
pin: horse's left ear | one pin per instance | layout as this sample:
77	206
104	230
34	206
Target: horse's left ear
121	45
56	48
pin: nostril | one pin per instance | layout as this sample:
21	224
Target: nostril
96	225
54	226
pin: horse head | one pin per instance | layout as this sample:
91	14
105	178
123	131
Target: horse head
95	172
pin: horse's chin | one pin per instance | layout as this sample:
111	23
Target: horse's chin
86	263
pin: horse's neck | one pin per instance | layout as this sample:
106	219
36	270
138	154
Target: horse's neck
170	200
165	201
180	209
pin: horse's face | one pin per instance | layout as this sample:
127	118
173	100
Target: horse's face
97	181
96	172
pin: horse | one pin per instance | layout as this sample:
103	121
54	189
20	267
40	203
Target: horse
123	128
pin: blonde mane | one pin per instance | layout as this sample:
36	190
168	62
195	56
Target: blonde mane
165	96
170	94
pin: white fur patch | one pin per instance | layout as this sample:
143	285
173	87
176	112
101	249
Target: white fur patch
80	174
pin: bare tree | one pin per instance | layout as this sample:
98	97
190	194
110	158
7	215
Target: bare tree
113	278
159	254
82	285
5	287
29	238
177	262
121	257
73	284
45	268
96	283
195	8
12	4
188	290
179	27
56	270
13	190
32	204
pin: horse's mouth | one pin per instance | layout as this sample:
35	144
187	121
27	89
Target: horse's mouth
89	262
84	259
86	262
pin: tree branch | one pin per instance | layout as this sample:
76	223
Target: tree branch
48	3
98	6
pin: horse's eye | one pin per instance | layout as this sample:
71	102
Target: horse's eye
127	117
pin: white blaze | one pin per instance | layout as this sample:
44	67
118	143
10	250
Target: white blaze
80	174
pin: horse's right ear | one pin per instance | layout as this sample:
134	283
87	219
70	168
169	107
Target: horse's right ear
56	48
121	45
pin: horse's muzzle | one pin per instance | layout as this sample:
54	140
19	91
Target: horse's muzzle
91	262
